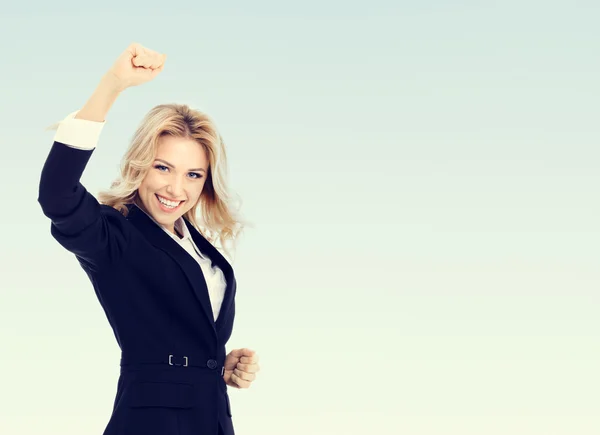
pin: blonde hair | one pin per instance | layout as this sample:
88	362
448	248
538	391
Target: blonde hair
220	221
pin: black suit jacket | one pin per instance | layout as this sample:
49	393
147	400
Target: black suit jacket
155	298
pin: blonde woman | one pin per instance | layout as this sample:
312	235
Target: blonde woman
167	291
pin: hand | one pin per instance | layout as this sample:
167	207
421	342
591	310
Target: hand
136	65
241	366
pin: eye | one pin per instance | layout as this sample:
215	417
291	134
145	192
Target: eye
197	175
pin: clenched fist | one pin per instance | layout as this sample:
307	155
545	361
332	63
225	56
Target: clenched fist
136	65
241	366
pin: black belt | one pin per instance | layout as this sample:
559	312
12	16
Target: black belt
179	360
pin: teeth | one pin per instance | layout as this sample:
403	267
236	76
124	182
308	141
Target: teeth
170	204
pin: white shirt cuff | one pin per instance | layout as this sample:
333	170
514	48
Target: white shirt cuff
78	133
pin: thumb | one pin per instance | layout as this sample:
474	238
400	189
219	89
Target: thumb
236	353
247	352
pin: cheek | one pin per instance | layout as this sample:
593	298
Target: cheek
150	184
142	188
194	194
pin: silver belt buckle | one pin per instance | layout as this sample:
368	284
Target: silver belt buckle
171	362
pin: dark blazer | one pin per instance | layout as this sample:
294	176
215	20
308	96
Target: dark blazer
155	298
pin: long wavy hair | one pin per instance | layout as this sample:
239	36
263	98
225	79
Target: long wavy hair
218	221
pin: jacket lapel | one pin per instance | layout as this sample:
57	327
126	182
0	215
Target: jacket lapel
191	269
213	253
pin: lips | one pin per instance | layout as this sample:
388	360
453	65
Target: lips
168	199
166	209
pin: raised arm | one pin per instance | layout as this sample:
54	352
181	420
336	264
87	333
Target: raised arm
95	233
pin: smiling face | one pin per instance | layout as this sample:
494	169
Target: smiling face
175	180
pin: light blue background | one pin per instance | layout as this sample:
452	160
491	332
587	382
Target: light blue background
423	178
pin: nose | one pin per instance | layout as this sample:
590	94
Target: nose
175	188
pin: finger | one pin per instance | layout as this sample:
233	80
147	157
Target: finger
245	376
136	48
156	61
141	60
239	381
248	368
249	359
237	353
160	60
148	60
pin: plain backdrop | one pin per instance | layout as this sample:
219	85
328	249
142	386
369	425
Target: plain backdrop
423	181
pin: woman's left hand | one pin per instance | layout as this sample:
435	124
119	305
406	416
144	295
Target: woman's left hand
241	366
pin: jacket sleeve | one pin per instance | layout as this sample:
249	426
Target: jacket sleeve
97	234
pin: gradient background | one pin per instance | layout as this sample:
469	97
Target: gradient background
423	178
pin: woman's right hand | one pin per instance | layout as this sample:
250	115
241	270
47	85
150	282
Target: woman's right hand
136	65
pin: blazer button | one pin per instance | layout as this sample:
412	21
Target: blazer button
211	363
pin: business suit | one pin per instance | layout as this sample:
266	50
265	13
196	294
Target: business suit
155	298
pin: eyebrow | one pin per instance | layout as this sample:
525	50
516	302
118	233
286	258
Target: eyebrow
173	166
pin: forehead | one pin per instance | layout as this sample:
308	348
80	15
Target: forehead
178	150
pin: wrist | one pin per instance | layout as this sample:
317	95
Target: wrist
112	84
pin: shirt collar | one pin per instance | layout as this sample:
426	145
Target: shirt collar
179	225
183	229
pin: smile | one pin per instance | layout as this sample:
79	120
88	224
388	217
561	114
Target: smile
166	205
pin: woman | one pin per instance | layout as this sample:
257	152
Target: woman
167	292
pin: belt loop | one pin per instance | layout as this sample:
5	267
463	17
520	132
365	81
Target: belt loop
171	362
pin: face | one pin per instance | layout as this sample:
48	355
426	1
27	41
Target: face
175	180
